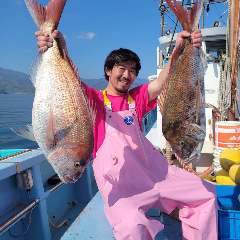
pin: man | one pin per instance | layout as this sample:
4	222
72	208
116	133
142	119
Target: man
131	174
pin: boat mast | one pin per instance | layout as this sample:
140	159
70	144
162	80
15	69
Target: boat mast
162	10
203	17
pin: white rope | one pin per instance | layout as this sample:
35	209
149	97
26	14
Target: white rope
224	95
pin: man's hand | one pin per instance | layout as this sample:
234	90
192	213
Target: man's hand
158	86
45	41
196	39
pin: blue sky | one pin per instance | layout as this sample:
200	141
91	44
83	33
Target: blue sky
92	28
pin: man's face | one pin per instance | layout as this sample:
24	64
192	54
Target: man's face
122	76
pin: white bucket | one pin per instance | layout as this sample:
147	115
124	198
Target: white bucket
227	134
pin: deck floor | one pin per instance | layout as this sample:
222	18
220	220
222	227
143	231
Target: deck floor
92	224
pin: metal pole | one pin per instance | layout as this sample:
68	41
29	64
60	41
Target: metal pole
162	20
11	221
55	187
203	17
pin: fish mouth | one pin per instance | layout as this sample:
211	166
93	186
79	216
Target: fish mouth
188	155
71	178
182	153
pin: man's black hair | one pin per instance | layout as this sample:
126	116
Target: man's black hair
118	56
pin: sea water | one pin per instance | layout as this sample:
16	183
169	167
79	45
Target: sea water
15	112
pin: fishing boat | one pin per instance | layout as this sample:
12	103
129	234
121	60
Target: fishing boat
34	204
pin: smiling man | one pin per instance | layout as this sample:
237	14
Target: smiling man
132	176
122	74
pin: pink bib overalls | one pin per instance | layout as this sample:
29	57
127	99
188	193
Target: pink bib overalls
132	176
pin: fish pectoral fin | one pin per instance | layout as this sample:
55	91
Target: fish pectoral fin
62	133
54	136
51	140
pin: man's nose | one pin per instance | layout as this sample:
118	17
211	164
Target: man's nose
126	73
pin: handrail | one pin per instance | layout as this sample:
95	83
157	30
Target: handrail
15	218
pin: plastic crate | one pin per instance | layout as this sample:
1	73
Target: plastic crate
228	197
228	225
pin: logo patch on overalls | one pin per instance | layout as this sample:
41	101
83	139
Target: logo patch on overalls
128	120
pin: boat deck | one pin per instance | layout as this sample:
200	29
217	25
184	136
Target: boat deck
92	224
35	206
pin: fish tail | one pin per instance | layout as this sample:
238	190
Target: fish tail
189	19
50	13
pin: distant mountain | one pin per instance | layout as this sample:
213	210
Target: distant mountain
14	82
18	82
101	83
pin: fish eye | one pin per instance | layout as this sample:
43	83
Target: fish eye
81	163
77	164
181	143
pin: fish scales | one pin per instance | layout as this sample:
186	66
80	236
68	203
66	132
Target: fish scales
61	116
182	85
183	121
65	98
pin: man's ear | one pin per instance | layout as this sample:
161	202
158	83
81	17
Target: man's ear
108	72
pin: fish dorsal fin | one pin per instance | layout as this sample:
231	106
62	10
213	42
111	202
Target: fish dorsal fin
188	18
73	66
50	13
